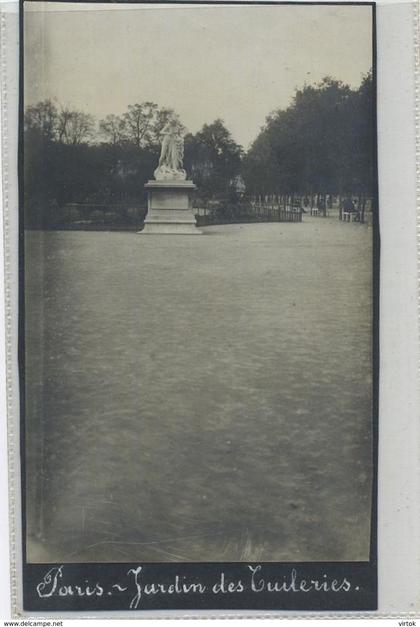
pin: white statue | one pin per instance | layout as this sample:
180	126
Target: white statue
172	153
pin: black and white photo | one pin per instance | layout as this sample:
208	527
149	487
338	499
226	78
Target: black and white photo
204	403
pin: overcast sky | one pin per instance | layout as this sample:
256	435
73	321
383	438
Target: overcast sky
238	63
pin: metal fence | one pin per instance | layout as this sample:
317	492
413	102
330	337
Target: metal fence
267	209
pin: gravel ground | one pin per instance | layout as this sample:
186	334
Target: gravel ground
199	398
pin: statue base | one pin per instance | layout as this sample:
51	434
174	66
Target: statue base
170	208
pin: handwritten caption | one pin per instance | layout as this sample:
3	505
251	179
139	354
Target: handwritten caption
138	586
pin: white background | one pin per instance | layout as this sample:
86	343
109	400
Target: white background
399	445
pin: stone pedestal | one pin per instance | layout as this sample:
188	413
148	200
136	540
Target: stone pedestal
170	208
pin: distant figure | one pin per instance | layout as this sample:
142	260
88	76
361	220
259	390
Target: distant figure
348	205
322	206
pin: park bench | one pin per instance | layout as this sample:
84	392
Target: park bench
315	211
350	216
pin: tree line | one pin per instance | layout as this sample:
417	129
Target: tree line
323	143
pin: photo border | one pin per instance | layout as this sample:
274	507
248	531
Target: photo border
363	575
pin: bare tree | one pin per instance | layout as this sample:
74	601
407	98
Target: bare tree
74	127
42	117
139	123
112	129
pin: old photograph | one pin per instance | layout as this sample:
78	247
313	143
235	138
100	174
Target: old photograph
199	225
